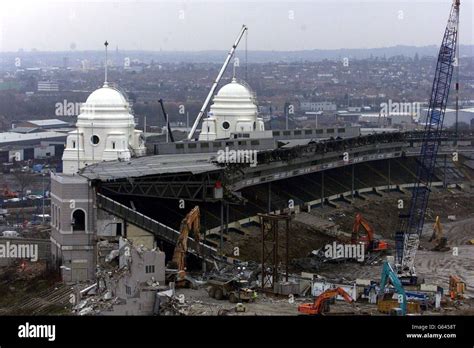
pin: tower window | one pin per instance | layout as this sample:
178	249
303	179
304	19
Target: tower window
73	144
95	139
225	125
78	220
113	145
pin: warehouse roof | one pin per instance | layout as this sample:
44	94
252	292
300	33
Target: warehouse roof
11	137
25	130
48	122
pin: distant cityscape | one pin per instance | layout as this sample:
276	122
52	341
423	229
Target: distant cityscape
52	85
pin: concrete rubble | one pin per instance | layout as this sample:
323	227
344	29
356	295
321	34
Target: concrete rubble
128	279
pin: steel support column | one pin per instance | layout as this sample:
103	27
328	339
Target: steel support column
269	225
445	183
389	178
352	181
322	189
269	197
221	243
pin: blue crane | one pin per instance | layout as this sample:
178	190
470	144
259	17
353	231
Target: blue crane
411	224
407	237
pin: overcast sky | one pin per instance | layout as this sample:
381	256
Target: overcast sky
61	25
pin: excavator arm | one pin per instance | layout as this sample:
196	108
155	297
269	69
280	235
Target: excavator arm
318	305
440	241
191	222
358	222
437	231
389	274
372	243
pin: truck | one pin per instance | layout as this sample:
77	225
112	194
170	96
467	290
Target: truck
235	290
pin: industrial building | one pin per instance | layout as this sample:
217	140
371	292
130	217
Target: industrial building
29	146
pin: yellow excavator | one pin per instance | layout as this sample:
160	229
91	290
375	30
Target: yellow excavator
438	237
191	222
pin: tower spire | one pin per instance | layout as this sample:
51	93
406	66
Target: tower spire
106	64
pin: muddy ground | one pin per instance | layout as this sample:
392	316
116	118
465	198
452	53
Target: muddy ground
382	212
308	233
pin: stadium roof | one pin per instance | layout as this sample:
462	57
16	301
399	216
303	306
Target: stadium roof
151	165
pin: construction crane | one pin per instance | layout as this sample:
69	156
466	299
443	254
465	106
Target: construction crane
321	303
407	237
216	82
165	115
389	274
191	222
369	241
438	237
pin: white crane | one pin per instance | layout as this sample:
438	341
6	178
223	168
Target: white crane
216	82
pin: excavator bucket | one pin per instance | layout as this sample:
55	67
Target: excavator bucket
381	246
307	308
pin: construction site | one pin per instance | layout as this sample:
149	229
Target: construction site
243	221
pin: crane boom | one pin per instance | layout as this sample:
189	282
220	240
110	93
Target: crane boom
165	115
411	224
216	82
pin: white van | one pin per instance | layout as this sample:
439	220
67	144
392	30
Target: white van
11	234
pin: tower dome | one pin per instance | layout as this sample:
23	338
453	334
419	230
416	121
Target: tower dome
234	110
106	96
235	90
105	131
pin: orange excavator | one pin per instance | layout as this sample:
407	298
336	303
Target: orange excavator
7	193
191	222
321	303
371	244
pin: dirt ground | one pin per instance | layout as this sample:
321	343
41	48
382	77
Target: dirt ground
303	239
30	290
442	203
434	267
308	236
199	303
